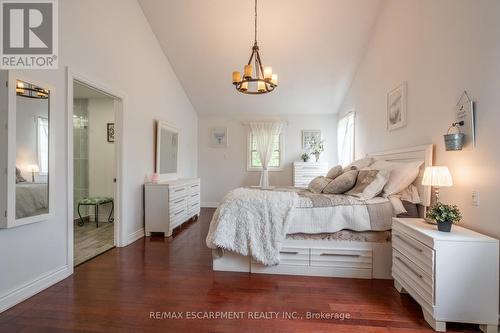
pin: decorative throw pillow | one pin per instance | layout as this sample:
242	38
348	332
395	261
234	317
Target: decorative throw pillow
402	174
334	172
369	184
360	164
19	177
342	183
318	184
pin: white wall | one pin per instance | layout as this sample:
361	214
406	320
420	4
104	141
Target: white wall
223	169
101	152
440	48
112	43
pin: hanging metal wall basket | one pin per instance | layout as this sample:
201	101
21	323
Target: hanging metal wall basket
454	141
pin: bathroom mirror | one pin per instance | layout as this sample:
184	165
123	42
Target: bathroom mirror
29	152
167	150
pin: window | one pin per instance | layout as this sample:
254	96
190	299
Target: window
42	125
254	163
345	139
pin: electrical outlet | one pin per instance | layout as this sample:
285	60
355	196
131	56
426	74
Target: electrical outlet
475	198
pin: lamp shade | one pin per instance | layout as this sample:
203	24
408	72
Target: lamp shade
437	176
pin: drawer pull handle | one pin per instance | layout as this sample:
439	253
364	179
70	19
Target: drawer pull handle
181	211
410	268
194	195
196	204
409	244
179	190
193	186
179	201
289	252
340	255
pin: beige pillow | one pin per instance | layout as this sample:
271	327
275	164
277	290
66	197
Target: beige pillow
334	172
342	183
318	184
360	164
402	174
369	184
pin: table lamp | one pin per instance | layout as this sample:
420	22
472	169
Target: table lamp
33	168
437	176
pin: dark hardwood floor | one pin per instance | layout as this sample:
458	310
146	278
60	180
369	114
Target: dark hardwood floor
118	291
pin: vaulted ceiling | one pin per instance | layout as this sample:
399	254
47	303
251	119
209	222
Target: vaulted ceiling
313	45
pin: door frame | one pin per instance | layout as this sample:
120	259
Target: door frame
119	110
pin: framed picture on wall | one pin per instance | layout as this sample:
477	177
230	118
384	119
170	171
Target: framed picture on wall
218	137
309	137
111	132
396	107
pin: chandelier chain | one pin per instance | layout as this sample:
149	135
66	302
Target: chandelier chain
255	23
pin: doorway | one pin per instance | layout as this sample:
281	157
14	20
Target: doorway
94	172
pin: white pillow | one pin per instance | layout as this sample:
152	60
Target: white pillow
397	205
402	175
410	194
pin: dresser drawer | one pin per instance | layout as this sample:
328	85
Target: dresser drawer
194	188
192	198
178	217
403	269
177	204
193	208
344	258
419	253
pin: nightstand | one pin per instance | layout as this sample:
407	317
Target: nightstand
452	275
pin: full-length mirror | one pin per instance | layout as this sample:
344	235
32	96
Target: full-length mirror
32	150
167	149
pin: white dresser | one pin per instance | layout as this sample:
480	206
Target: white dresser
304	172
169	204
452	275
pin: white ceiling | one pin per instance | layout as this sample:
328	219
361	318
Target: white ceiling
313	45
84	91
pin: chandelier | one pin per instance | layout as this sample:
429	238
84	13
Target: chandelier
257	79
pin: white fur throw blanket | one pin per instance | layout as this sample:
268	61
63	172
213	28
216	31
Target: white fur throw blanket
252	222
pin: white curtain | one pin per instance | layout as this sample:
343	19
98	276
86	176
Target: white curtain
345	139
264	134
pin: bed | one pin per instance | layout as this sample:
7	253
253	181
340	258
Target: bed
334	236
31	199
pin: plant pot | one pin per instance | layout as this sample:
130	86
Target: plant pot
317	157
444	226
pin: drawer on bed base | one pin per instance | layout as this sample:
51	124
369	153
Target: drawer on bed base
291	256
342	258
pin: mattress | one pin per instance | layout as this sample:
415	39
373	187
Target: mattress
346	235
31	199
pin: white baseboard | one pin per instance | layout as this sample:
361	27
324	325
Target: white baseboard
135	236
32	288
208	204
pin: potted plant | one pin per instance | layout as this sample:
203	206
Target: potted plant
444	215
317	148
305	157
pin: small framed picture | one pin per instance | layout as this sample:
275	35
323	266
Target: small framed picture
111	132
310	137
218	137
396	107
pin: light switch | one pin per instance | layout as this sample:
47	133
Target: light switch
475	198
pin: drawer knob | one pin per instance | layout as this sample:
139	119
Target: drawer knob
289	252
410	268
340	255
178	201
408	243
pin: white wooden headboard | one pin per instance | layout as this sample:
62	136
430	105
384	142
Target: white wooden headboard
418	153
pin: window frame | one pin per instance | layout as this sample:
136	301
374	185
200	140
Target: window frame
39	120
353	115
249	154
